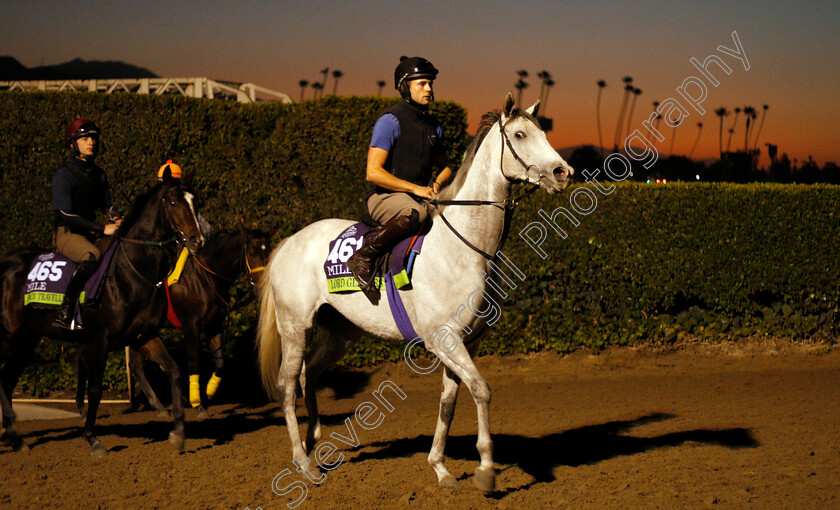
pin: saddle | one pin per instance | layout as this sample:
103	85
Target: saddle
396	265
50	273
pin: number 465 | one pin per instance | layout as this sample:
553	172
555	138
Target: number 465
48	269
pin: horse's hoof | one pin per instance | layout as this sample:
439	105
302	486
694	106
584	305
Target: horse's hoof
98	451
201	413
485	479
21	446
448	481
177	440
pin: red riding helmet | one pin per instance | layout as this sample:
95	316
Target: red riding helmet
79	128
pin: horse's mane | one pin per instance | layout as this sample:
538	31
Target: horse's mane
137	209
488	120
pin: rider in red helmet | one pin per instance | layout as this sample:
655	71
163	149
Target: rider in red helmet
406	146
79	189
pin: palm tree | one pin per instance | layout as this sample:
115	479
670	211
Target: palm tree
721	112
732	129
656	121
696	140
380	84
520	84
673	137
636	93
325	71
544	76
763	114
749	113
303	84
336	76
601	85
316	87
548	84
628	89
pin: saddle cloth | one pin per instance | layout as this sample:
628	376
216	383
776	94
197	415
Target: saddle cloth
50	273
399	263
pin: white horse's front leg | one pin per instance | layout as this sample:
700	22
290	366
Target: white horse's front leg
461	364
448	398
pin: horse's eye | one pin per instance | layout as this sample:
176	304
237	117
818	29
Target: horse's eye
519	135
171	203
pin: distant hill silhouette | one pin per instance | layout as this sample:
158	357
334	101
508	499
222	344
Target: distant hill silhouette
76	69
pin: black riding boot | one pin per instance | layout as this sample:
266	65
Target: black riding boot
378	243
65	315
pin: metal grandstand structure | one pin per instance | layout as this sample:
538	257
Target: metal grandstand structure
188	87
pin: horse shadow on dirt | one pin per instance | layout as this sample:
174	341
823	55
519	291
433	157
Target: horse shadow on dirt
221	428
539	456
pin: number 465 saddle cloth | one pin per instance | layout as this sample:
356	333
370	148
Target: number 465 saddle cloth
50	273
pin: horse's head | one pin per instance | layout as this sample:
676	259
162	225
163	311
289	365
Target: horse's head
179	205
257	252
527	155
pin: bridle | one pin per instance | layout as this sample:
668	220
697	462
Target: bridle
248	274
179	238
508	205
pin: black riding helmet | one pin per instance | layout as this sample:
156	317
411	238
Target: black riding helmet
412	68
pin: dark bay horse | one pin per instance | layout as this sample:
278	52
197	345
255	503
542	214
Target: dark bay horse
201	302
129	296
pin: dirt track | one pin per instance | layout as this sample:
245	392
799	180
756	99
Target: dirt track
729	426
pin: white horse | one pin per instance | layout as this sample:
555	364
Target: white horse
447	297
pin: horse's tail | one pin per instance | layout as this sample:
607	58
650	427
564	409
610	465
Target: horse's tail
269	343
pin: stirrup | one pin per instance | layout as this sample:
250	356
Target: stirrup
73	326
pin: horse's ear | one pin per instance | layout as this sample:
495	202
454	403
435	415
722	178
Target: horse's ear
167	176
534	109
508	106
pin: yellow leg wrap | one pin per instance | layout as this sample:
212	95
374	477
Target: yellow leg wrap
213	385
195	391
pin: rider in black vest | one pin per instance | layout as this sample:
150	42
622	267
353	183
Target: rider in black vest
79	189
406	146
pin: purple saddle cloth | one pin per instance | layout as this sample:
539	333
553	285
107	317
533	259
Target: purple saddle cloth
50	273
397	275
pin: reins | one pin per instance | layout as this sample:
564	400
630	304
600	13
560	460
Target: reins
508	205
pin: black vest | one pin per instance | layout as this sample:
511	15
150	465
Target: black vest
412	158
88	189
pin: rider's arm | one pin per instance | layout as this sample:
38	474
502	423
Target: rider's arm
377	175
385	132
77	223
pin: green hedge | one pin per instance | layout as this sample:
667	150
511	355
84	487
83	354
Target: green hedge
651	262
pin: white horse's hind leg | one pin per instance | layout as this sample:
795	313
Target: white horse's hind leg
461	364
448	398
294	343
335	336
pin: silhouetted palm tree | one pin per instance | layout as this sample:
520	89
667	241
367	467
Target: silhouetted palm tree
303	84
601	85
317	88
336	76
749	113
325	71
721	112
696	140
655	123
636	93
520	84
544	76
548	84
763	114
380	84
732	129
628	89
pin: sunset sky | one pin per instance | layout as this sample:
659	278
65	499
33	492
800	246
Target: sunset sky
793	51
